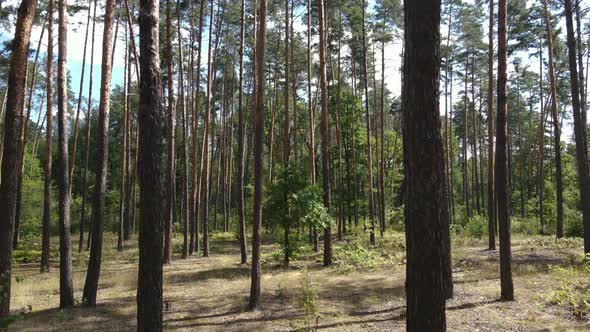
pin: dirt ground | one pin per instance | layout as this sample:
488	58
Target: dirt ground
210	294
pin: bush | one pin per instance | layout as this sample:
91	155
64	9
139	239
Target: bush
356	256
573	226
526	226
476	226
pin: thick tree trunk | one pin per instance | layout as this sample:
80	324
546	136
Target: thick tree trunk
258	126
501	167
12	132
579	124
100	184
427	210
149	289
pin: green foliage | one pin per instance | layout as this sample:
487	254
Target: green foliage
574	291
292	202
355	256
476	226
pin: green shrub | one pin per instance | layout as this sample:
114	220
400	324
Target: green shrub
476	226
356	256
526	226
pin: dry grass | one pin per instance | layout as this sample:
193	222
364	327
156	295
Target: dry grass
210	294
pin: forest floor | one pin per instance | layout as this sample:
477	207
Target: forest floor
363	291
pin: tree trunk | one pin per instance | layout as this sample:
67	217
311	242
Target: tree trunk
556	128
491	196
45	237
368	124
579	124
205	177
185	209
149	289
65	246
195	197
171	128
100	184
123	151
501	170
258	124
87	149
241	138
427	211
12	132
324	130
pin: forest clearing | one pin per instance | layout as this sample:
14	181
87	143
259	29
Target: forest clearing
363	291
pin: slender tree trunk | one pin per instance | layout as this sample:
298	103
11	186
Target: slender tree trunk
258	126
501	171
100	184
541	170
123	151
185	208
286	123
491	195
66	298
579	124
427	211
324	130
87	148
171	128
241	138
382	164
45	238
197	182
12	131
556	128
149	289
465	161
581	73
205	186
368	124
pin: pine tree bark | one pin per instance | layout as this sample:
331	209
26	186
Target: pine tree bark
185	208
66	287
87	149
324	130
100	184
258	128
501	166
149	289
241	138
427	211
579	124
491	196
171	128
197	182
45	237
205	153
368	124
12	132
